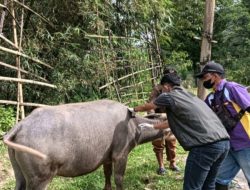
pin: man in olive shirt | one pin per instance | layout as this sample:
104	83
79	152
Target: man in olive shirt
159	144
197	129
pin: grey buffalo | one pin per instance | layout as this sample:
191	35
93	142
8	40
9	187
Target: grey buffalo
73	140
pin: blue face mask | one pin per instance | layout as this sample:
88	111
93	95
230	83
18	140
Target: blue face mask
208	84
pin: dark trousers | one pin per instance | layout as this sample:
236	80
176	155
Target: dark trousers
202	165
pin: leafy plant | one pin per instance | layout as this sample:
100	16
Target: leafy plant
7	119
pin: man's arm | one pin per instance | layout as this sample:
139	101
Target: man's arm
145	107
162	125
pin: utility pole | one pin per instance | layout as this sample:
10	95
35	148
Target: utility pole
206	43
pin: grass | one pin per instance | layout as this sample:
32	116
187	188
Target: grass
140	173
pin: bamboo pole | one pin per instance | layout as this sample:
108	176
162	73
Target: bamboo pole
158	52
141	101
29	9
8	41
126	76
131	94
19	85
3	16
2	6
103	57
26	81
22	70
107	37
116	88
150	58
23	104
24	55
132	69
135	86
6	8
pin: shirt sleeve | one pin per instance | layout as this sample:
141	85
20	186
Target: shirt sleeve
240	96
164	100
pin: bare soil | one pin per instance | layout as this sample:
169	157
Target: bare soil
6	171
239	182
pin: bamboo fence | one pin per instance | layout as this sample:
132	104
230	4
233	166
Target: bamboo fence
18	55
130	87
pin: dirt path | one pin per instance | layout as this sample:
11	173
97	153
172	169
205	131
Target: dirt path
6	173
239	182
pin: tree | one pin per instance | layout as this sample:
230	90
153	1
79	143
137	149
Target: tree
232	31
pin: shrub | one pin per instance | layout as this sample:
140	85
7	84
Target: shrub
7	119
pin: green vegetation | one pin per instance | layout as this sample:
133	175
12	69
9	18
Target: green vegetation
122	43
6	119
93	43
140	173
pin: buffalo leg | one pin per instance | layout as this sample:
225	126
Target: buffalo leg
119	170
37	184
107	167
20	180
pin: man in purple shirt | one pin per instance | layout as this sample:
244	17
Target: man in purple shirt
235	98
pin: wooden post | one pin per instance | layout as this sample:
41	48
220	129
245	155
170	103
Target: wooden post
206	43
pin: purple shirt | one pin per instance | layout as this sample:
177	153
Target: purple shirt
238	98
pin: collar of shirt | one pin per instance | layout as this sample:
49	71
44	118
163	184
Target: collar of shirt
220	86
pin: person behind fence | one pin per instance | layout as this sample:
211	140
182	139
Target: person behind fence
196	127
231	102
159	144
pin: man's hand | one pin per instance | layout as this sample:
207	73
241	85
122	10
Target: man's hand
143	125
132	111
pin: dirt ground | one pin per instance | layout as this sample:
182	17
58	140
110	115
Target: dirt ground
239	182
6	172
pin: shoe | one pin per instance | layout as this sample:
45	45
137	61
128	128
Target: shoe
221	187
174	168
161	171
